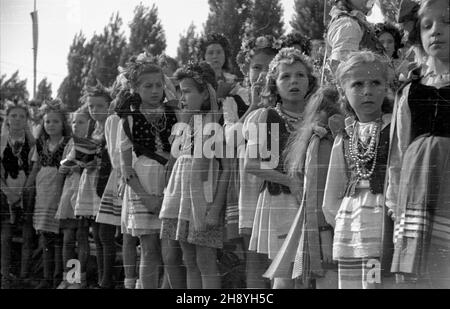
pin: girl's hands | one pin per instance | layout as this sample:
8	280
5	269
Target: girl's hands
256	90
326	243
153	203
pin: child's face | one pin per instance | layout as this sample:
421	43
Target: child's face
151	89
292	82
387	40
365	90
215	56
435	30
98	108
80	125
17	119
191	98
53	124
259	63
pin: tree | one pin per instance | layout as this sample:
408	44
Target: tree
389	8
13	88
78	59
106	54
146	33
229	17
188	45
44	90
308	18
266	18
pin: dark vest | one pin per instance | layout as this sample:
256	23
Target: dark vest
273	117
377	179
430	110
11	164
54	158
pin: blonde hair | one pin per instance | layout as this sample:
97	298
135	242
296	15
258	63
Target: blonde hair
354	60
289	55
325	99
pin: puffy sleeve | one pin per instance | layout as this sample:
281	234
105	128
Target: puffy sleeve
344	36
250	127
124	141
336	181
399	139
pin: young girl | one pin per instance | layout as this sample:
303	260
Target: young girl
16	146
349	30
215	50
306	252
92	182
66	209
419	166
290	81
353	199
192	210
46	160
146	133
253	59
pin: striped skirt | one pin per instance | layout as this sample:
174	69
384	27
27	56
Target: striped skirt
111	203
358	230
47	200
151	175
88	202
232	209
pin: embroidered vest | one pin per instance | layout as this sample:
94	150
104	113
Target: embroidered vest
377	179
12	165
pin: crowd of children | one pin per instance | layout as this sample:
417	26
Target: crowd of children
320	177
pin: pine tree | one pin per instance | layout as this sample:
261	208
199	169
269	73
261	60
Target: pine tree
188	45
106	54
308	18
44	90
146	33
13	88
80	54
229	17
266	18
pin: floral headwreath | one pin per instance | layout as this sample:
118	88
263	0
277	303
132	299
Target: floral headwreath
198	72
138	64
296	38
96	91
290	54
250	45
55	105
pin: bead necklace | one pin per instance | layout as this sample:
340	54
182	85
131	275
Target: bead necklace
368	154
290	122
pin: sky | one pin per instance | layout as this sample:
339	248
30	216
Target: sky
60	20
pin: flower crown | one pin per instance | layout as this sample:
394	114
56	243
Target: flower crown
139	64
250	45
291	55
200	72
296	38
55	105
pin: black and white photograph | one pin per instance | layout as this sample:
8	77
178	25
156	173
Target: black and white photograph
242	146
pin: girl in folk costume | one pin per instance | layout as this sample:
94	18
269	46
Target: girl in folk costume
46	161
111	202
66	209
253	59
16	145
306	252
92	184
129	242
291	82
192	210
419	165
353	201
215	50
145	133
349	30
